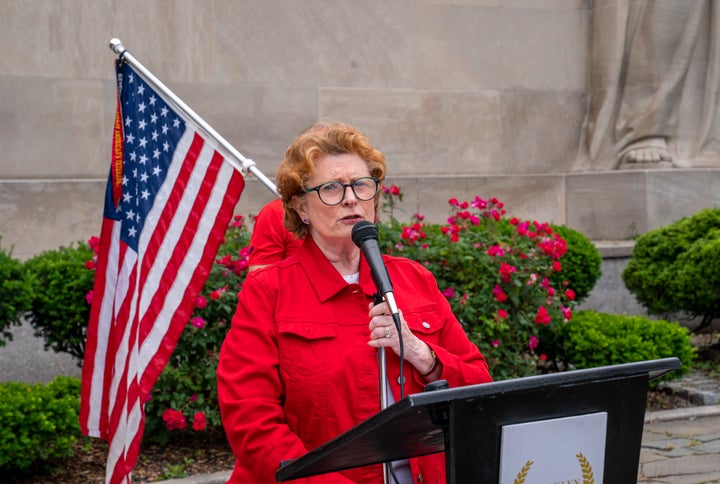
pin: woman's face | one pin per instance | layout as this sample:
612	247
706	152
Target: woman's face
333	224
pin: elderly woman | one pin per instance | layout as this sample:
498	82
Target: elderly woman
299	366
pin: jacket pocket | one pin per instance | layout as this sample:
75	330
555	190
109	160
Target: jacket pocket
304	347
424	323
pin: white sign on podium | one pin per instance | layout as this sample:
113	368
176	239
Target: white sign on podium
563	450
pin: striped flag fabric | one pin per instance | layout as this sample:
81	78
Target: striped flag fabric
169	198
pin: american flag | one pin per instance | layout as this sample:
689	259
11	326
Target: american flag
169	198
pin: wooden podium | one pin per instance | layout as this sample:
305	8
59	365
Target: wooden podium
466	423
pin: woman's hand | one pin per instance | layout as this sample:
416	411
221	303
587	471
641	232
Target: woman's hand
384	334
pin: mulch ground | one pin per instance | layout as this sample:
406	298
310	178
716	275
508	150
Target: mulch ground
182	457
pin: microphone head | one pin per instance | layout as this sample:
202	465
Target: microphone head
363	231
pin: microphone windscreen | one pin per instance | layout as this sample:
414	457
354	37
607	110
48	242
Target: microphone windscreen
363	231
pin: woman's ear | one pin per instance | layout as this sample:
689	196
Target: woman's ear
298	204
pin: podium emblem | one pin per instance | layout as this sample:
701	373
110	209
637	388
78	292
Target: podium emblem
564	450
587	472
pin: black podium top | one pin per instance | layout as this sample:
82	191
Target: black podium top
416	425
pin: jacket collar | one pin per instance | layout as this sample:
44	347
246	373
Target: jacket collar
324	278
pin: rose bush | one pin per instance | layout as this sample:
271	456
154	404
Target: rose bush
496	273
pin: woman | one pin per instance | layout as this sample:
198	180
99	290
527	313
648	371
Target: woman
299	366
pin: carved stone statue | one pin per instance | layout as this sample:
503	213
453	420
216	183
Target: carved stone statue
654	81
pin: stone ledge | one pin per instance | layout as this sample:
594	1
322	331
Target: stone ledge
689	413
696	387
215	478
615	249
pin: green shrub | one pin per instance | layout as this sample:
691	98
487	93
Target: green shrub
581	265
593	339
39	422
14	295
59	310
674	269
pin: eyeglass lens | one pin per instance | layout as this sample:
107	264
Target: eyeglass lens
333	193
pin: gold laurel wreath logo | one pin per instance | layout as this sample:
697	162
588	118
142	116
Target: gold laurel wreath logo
587	471
522	475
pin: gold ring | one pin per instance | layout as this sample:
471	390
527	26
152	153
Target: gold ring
387	332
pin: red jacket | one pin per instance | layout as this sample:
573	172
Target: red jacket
270	241
295	369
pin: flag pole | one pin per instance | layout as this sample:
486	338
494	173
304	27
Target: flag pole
239	162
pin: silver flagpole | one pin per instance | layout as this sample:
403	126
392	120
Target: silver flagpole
236	159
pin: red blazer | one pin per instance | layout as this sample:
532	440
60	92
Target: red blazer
295	369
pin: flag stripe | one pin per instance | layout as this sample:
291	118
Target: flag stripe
97	336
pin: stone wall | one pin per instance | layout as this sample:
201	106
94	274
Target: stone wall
460	102
447	89
609	295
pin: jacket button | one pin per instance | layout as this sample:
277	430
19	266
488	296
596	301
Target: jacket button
401	380
426	325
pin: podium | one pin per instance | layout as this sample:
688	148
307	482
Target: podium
466	423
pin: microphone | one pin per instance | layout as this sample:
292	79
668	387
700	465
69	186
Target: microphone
365	236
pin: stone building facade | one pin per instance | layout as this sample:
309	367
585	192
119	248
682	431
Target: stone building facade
465	98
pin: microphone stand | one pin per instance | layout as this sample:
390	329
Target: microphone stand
387	466
383	387
382	362
383	382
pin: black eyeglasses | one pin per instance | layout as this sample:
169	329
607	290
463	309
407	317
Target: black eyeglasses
332	193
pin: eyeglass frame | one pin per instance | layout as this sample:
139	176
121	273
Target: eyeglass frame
345	186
